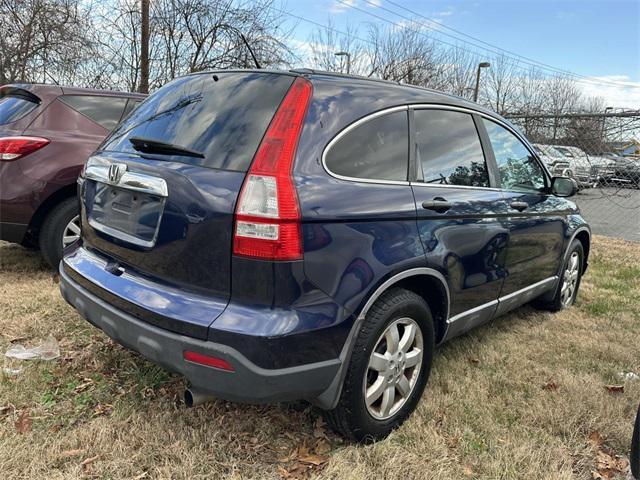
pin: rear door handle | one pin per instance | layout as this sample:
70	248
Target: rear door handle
438	204
520	206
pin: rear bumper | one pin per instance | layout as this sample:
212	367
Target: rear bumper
248	383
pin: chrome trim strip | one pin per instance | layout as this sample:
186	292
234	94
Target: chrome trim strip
467	313
524	290
122	235
347	130
438	185
98	169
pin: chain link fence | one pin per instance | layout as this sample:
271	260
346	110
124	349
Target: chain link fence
602	153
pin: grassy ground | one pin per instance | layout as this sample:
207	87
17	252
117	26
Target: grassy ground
524	397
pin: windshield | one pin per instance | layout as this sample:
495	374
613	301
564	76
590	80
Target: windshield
222	115
564	152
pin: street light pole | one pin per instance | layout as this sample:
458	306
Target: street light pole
475	92
604	119
345	54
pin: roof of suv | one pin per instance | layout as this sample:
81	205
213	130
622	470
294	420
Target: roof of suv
61	89
424	94
429	95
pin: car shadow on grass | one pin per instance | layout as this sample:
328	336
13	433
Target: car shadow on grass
18	259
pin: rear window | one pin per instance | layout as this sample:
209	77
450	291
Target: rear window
221	115
13	108
105	111
377	149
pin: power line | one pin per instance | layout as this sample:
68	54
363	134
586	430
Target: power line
577	77
503	50
335	30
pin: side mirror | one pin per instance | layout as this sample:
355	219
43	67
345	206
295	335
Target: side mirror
564	186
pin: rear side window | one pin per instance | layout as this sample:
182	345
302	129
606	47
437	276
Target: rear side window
13	108
223	116
105	111
377	149
448	149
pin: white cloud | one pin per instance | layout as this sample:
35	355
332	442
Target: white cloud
447	12
627	95
342	6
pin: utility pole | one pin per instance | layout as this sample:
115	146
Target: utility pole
144	48
348	55
475	92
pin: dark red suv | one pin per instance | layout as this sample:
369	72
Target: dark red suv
47	132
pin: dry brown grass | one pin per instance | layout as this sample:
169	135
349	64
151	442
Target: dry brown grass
515	399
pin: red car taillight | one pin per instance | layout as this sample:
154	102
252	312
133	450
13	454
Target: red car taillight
267	216
12	148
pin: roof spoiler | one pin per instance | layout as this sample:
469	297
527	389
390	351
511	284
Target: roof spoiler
10	90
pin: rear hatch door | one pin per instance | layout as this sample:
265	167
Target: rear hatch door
158	198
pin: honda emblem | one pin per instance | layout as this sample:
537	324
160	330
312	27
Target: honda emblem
116	171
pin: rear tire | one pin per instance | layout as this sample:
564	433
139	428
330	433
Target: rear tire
567	289
54	227
383	385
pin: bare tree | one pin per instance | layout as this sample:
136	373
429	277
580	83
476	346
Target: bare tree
41	40
324	43
500	84
405	55
562	96
185	36
458	75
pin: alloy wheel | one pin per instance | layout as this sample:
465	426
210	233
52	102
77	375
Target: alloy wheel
570	280
393	369
71	232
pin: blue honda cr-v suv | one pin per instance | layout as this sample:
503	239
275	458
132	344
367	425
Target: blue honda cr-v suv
303	235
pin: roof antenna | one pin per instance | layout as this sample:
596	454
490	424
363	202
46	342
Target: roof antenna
255	60
49	75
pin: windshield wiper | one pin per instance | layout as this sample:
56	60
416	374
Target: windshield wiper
148	145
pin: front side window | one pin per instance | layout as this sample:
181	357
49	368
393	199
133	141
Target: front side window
518	168
376	149
105	111
448	149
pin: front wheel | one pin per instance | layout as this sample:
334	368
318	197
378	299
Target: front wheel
567	290
60	229
389	368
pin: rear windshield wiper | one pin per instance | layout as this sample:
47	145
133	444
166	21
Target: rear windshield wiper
148	145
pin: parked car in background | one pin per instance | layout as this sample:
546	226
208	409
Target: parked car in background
626	172
277	236
46	134
554	160
588	170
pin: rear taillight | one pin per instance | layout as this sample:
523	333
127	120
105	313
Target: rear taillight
267	217
12	148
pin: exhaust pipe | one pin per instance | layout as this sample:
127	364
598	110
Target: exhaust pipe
194	397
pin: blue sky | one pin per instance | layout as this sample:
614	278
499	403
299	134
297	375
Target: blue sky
594	38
